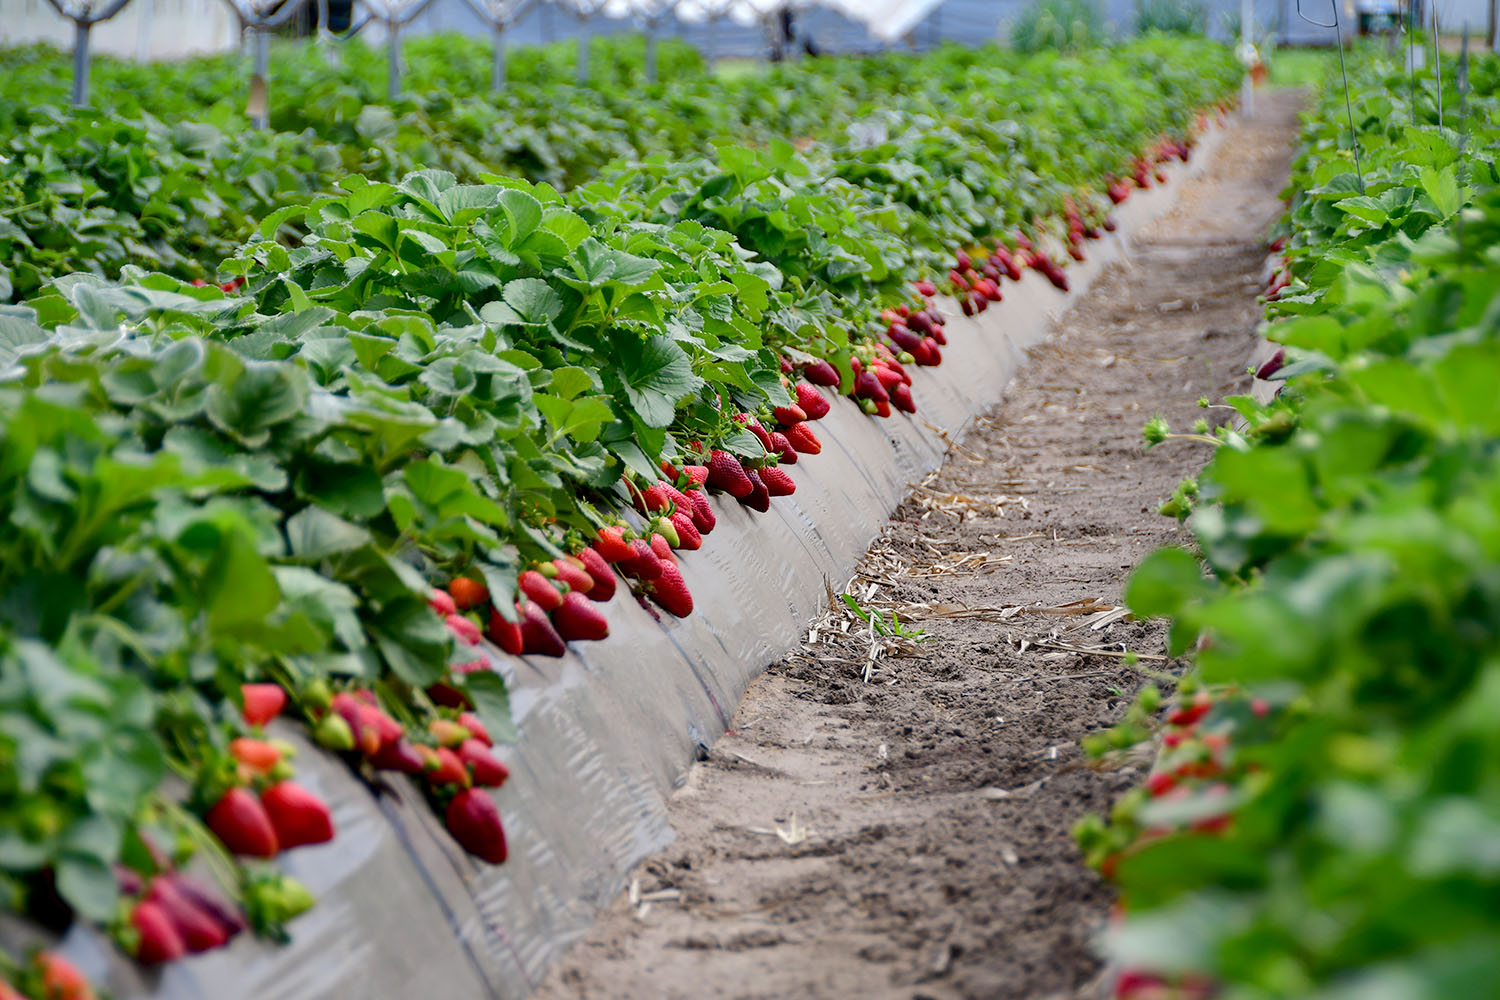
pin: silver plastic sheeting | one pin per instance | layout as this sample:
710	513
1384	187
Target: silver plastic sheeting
609	731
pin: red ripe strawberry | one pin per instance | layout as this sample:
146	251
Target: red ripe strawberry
934	352
868	386
786	416
468	593
671	592
882	407
926	288
904	338
804	440
240	821
443	767
992	291
366	736
484	767
649	500
442	602
198	929
599	571
822	373
697	475
703	513
662	549
754	427
901	399
540	589
158	940
465	630
643	564
1076	252
471	722
811	401
1023	242
958	281
886	376
725	473
229	919
786	366
574	574
262	702
687	532
938	337
966	305
785	453
980	302
963	260
399	756
538	637
611	545
920	323
579	619
505	634
1272	365
475	823
778	483
759	498
298	816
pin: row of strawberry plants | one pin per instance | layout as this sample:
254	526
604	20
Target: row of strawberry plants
1323	812
231	502
177	191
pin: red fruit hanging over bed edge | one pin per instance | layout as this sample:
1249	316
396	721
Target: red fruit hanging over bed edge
474	821
298	816
240	821
579	619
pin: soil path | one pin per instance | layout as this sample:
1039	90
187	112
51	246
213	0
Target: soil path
908	836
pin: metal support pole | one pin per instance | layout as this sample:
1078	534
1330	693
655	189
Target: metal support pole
651	51
81	30
260	81
583	50
497	70
393	55
712	42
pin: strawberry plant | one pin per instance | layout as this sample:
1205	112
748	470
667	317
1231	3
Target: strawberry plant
1318	819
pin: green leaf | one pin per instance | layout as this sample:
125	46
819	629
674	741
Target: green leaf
656	374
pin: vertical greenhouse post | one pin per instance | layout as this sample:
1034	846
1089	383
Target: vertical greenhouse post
84	18
499	15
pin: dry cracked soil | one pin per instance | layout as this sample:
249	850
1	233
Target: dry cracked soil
906	834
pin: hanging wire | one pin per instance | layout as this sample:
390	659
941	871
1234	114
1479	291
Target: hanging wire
1437	64
1338	36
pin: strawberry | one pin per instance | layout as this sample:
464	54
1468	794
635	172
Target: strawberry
298	816
887	376
811	401
61	979
442	602
471	722
664	527
1076	252
158	941
611	545
785	453
759	498
333	733
644	564
725	473
475	823
703	513
687	532
697	475
649	500
574	574
400	755
447	732
262	702
904	338
671	592
505	634
599	571
200	896
822	373
1022	242
240	821
926	289
463	629
662	549
920	323
868	386
981	303
484	767
804	440
963	260
579	619
901	399
257	755
1272	365
540	589
754	427
882	407
443	767
199	930
467	593
786	416
538	637
934	352
778	483
967	305
786	366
